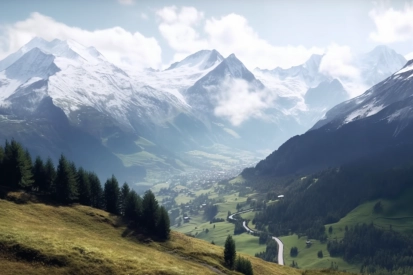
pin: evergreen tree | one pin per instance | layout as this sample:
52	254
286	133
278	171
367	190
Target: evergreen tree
17	166
96	192
83	186
39	173
74	169
65	185
28	158
244	266
230	252
294	251
50	176
150	211
2	176
1	154
163	225
133	207
111	195
124	192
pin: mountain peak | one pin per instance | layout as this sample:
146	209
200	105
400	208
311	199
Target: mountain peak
203	59
36	42
382	49
231	56
232	66
34	63
313	63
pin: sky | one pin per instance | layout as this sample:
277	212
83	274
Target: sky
263	33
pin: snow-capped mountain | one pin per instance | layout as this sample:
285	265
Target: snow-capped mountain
181	75
199	61
376	125
395	90
295	81
379	64
96	97
60	96
202	96
310	92
81	77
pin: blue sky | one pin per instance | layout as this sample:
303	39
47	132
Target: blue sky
261	33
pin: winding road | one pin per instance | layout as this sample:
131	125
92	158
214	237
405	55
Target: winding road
249	230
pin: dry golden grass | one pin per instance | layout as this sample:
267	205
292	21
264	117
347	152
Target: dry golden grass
41	239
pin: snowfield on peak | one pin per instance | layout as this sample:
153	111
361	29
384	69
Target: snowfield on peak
181	75
394	89
79	77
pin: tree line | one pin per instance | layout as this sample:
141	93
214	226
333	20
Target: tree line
271	251
379	251
68	184
327	196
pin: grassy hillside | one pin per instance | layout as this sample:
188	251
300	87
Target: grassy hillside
397	214
41	239
307	255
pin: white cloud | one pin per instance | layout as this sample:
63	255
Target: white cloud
178	28
338	62
239	101
392	25
116	44
127	2
228	34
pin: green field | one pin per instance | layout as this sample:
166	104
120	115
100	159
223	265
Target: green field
397	213
245	243
197	226
307	256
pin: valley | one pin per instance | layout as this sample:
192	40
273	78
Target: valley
218	138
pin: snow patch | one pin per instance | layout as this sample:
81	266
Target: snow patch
365	111
31	81
405	69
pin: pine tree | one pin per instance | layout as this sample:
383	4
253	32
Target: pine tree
50	176
1	166
39	173
133	207
150	211
248	268
96	192
65	185
17	166
244	266
72	166
229	252
124	192
111	195
28	158
163	226
83	186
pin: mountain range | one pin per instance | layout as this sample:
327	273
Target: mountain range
376	125
62	97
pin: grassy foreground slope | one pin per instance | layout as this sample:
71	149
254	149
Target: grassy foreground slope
41	239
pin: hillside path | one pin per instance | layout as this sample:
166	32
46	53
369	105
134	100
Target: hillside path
249	230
